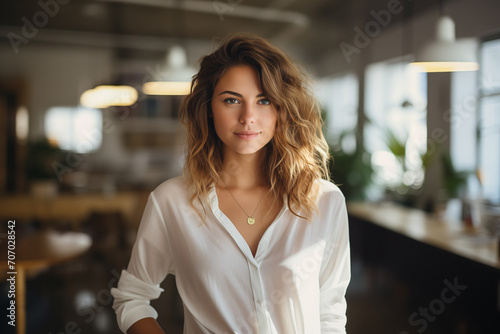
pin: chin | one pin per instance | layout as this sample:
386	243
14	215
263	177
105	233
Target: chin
249	151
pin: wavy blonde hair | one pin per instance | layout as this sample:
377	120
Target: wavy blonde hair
298	153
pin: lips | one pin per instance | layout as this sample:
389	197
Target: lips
247	135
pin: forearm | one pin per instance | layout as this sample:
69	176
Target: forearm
145	326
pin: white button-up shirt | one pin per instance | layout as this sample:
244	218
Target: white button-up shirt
296	282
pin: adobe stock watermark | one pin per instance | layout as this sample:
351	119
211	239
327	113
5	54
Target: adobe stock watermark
372	29
29	30
437	306
222	7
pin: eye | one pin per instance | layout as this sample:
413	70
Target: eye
265	102
231	100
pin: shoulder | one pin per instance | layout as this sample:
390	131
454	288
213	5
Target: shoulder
175	183
174	188
332	210
327	188
329	194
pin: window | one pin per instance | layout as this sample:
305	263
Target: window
338	96
489	119
395	107
463	120
74	129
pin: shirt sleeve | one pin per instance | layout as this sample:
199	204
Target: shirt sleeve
336	271
150	262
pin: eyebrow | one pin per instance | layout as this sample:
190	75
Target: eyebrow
238	94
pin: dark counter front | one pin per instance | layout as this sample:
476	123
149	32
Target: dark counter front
415	274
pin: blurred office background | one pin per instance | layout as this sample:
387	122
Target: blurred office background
86	132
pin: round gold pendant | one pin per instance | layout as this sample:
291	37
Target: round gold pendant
251	220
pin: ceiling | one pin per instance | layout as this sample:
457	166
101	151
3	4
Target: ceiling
142	28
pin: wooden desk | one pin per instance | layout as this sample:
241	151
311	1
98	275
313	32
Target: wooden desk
37	251
73	208
472	244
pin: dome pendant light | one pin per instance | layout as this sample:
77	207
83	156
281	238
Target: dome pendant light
177	76
445	54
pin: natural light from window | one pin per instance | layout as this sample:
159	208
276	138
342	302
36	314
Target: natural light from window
489	120
338	96
396	129
74	129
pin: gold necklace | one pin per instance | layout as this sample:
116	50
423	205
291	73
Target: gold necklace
250	219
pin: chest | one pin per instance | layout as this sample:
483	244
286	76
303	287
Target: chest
262	209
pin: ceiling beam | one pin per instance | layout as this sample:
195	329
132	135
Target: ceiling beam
297	22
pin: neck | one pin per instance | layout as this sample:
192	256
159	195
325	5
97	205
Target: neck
243	171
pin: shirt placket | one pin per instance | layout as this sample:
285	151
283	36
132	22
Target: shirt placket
259	297
257	282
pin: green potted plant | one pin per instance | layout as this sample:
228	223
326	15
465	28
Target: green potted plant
351	171
454	184
405	192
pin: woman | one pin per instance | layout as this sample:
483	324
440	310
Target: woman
257	240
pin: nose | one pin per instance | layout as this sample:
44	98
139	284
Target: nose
247	115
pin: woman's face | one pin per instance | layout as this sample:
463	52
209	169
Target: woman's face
244	119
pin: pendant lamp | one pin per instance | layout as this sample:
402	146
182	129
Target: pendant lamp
108	95
445	53
176	77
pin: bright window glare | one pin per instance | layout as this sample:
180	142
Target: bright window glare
490	69
338	95
387	169
74	129
463	120
489	121
490	148
396	103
